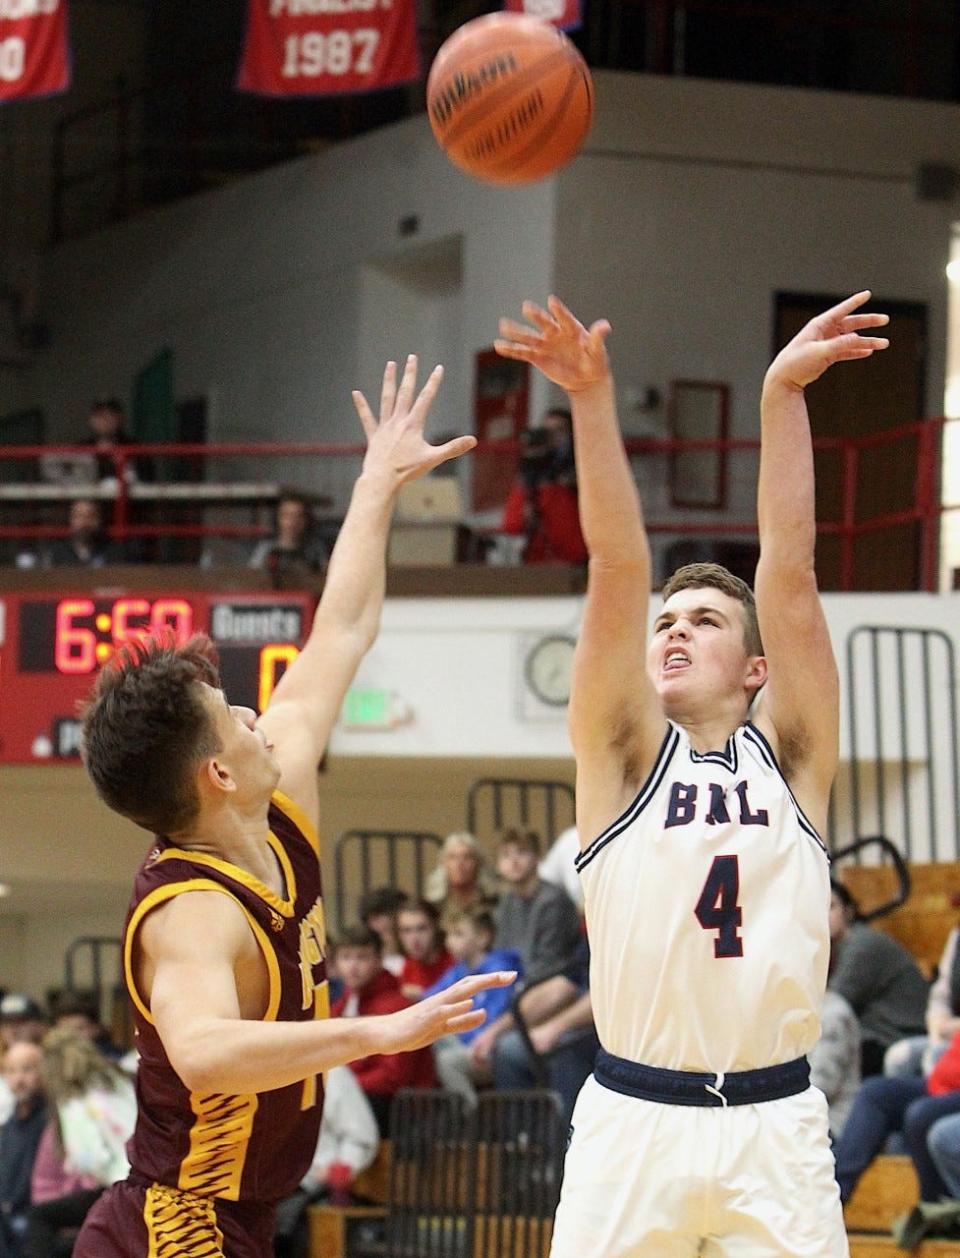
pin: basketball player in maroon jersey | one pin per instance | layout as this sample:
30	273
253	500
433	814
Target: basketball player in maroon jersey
224	942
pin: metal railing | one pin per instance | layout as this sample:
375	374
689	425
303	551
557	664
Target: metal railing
925	511
495	803
364	859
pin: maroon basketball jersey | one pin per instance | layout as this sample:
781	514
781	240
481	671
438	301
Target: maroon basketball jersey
257	1147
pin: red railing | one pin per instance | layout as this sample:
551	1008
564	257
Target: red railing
925	510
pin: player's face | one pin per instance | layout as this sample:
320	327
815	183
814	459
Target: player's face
245	752
417	935
357	966
697	651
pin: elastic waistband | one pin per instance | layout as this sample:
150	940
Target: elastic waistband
685	1087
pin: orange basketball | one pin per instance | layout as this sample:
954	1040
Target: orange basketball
510	98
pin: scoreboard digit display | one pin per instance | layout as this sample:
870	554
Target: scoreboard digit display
51	647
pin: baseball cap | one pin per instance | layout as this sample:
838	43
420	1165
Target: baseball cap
16	1007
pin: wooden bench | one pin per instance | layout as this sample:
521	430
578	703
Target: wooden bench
924	921
884	1247
888	1188
332	1227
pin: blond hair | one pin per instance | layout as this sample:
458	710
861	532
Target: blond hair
71	1065
713	576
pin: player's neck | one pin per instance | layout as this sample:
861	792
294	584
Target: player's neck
237	835
711	732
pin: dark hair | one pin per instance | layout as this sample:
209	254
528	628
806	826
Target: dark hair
563	412
479	919
845	896
359	937
380	900
146	730
525	840
67	1004
713	576
107	404
424	907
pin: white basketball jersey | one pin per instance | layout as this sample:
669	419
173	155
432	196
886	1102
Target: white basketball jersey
707	911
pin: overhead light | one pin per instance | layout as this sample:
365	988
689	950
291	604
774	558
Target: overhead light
4	889
953	270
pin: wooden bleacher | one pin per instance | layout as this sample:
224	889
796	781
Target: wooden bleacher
924	921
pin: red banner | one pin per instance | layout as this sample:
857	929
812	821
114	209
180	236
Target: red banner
323	47
34	55
565	14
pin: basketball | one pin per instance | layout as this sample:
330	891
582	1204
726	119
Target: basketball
510	98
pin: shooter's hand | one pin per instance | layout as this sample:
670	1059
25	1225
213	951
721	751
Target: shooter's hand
558	344
830	338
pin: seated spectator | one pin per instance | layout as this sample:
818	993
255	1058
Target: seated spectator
911	1106
87	545
425	956
378	911
20	1019
835	1059
542	503
19	1140
877	976
917	1054
347	1145
558	865
93	1109
461	880
106	422
943	1144
470	943
73	1011
296	549
535	918
370	989
559	1017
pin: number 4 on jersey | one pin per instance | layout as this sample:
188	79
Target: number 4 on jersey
717	909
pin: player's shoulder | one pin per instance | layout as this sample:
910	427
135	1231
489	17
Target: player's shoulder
199	914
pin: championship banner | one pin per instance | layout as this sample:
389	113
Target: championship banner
567	15
34	54
324	47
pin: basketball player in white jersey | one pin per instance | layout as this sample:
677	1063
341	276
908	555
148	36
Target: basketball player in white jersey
705	876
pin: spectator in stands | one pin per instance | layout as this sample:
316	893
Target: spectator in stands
877	976
470	942
106	422
917	1054
558	865
534	918
542	503
425	956
558	1016
370	989
73	1011
20	1019
378	911
87	546
461	879
835	1059
911	1106
296	549
93	1109
19	1140
347	1144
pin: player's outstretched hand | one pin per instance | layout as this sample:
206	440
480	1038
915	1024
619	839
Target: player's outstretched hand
558	344
831	337
447	1013
395	442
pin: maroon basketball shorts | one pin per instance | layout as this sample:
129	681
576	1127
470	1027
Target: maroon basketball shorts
134	1219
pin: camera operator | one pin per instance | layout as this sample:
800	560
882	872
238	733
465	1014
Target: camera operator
542	504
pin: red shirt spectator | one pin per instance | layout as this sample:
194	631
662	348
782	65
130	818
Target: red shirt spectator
549	516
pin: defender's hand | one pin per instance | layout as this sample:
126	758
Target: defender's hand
830	338
396	444
446	1013
558	344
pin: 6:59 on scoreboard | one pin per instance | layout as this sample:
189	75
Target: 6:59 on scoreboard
52	647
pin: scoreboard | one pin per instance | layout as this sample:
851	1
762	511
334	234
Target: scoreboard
51	647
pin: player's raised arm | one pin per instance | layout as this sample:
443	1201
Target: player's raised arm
799	704
305	703
615	718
